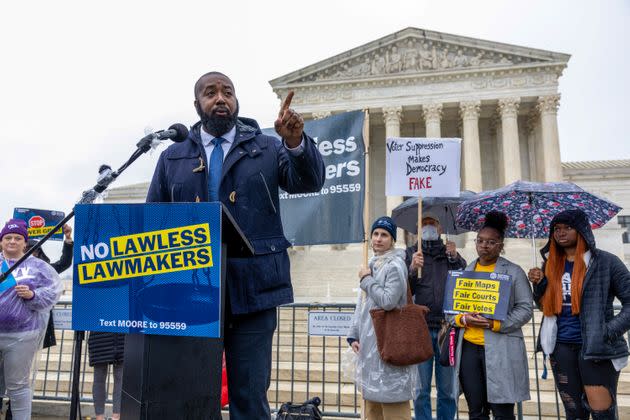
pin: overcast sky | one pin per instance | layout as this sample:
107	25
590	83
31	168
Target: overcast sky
80	80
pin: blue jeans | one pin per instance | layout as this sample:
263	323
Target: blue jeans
446	404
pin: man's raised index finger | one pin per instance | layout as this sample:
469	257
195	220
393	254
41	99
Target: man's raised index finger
287	101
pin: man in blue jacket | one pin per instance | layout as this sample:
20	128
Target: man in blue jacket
227	158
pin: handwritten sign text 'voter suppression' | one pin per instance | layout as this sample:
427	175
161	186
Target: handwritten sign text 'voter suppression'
425	167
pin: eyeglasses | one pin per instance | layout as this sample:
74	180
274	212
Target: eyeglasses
490	242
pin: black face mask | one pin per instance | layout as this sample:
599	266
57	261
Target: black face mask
215	124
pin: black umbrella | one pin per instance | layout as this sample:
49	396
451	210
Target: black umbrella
444	208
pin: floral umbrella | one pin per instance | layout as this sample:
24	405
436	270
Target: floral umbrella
530	206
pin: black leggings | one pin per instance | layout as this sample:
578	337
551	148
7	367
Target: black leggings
472	376
571	373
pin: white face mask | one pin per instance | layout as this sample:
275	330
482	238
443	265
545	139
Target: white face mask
430	233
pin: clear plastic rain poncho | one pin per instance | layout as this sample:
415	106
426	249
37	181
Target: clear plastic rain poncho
386	289
23	322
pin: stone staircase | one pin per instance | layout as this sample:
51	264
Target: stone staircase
305	366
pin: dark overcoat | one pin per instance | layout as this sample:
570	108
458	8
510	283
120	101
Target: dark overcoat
256	166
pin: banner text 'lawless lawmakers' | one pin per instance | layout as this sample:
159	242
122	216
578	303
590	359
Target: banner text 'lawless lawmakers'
148	253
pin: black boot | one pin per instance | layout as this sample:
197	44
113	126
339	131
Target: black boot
610	414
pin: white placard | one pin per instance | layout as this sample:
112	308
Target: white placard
329	323
424	167
62	318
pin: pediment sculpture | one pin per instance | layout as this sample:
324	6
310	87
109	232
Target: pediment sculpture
415	56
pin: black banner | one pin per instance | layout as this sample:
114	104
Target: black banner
335	214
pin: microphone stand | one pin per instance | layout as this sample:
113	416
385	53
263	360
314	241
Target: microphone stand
88	197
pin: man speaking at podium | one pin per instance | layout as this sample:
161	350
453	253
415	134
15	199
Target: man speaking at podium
226	158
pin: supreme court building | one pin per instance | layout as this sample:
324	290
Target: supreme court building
501	99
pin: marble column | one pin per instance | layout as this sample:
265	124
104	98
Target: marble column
550	142
469	112
494	178
511	164
393	117
532	145
432	117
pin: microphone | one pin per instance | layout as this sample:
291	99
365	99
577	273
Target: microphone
176	132
105	177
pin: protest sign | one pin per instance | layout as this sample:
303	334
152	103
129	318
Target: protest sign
148	268
485	293
333	215
424	167
40	222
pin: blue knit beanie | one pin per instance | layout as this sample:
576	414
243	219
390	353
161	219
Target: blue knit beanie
386	223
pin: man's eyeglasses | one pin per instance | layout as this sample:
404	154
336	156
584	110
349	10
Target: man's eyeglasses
490	242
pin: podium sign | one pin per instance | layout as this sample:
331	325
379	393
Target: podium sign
484	293
148	268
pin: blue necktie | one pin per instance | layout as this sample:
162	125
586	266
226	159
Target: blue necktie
216	168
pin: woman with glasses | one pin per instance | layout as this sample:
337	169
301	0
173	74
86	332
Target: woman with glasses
580	332
491	360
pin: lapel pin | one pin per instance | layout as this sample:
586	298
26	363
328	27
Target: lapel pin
233	196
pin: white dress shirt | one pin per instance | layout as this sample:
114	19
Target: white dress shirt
206	140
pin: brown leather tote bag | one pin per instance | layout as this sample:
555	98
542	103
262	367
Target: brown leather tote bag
402	334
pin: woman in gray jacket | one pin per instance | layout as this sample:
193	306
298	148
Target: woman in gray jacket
491	361
386	389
